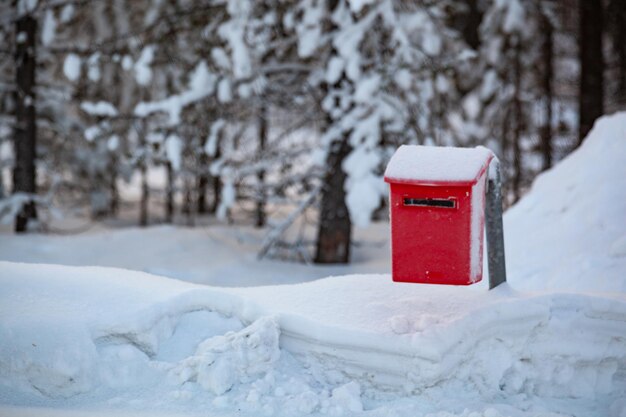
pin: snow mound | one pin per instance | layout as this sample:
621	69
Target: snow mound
337	346
412	337
569	231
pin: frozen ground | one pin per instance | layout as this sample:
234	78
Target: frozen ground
100	341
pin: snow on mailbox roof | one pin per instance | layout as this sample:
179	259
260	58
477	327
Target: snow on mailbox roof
437	165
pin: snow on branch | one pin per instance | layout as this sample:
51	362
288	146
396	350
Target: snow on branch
100	108
201	84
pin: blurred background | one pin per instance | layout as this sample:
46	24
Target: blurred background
282	114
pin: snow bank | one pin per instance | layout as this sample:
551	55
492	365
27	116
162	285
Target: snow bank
332	346
417	336
569	231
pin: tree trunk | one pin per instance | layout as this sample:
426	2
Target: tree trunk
519	123
472	23
188	203
547	51
169	194
2	192
143	204
591	96
505	142
334	225
25	135
335	228
216	182
617	13
620	42
261	198
202	183
114	201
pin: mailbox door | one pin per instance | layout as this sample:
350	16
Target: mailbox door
431	234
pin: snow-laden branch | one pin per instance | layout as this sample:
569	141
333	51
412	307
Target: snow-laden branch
201	85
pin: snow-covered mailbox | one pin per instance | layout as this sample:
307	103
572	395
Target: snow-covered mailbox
437	209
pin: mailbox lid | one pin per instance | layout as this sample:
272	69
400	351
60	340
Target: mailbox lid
437	165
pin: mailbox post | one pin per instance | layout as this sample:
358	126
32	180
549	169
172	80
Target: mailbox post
495	230
439	199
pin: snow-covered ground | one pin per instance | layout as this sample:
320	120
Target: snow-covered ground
92	340
214	255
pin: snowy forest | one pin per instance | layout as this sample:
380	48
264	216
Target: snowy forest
324	208
282	114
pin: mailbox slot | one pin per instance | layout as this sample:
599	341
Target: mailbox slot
430	202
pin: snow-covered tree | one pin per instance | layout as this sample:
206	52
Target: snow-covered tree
506	96
382	75
276	112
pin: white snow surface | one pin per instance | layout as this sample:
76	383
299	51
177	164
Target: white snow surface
93	67
210	145
224	92
48	29
437	163
86	340
174	151
99	108
201	84
363	188
67	12
143	72
566	232
71	67
115	336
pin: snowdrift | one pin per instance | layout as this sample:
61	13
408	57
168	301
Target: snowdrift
569	231
104	333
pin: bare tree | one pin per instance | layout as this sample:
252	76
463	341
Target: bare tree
518	120
262	198
616	11
25	136
169	193
547	55
591	95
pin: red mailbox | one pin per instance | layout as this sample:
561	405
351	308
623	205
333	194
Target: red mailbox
437	209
